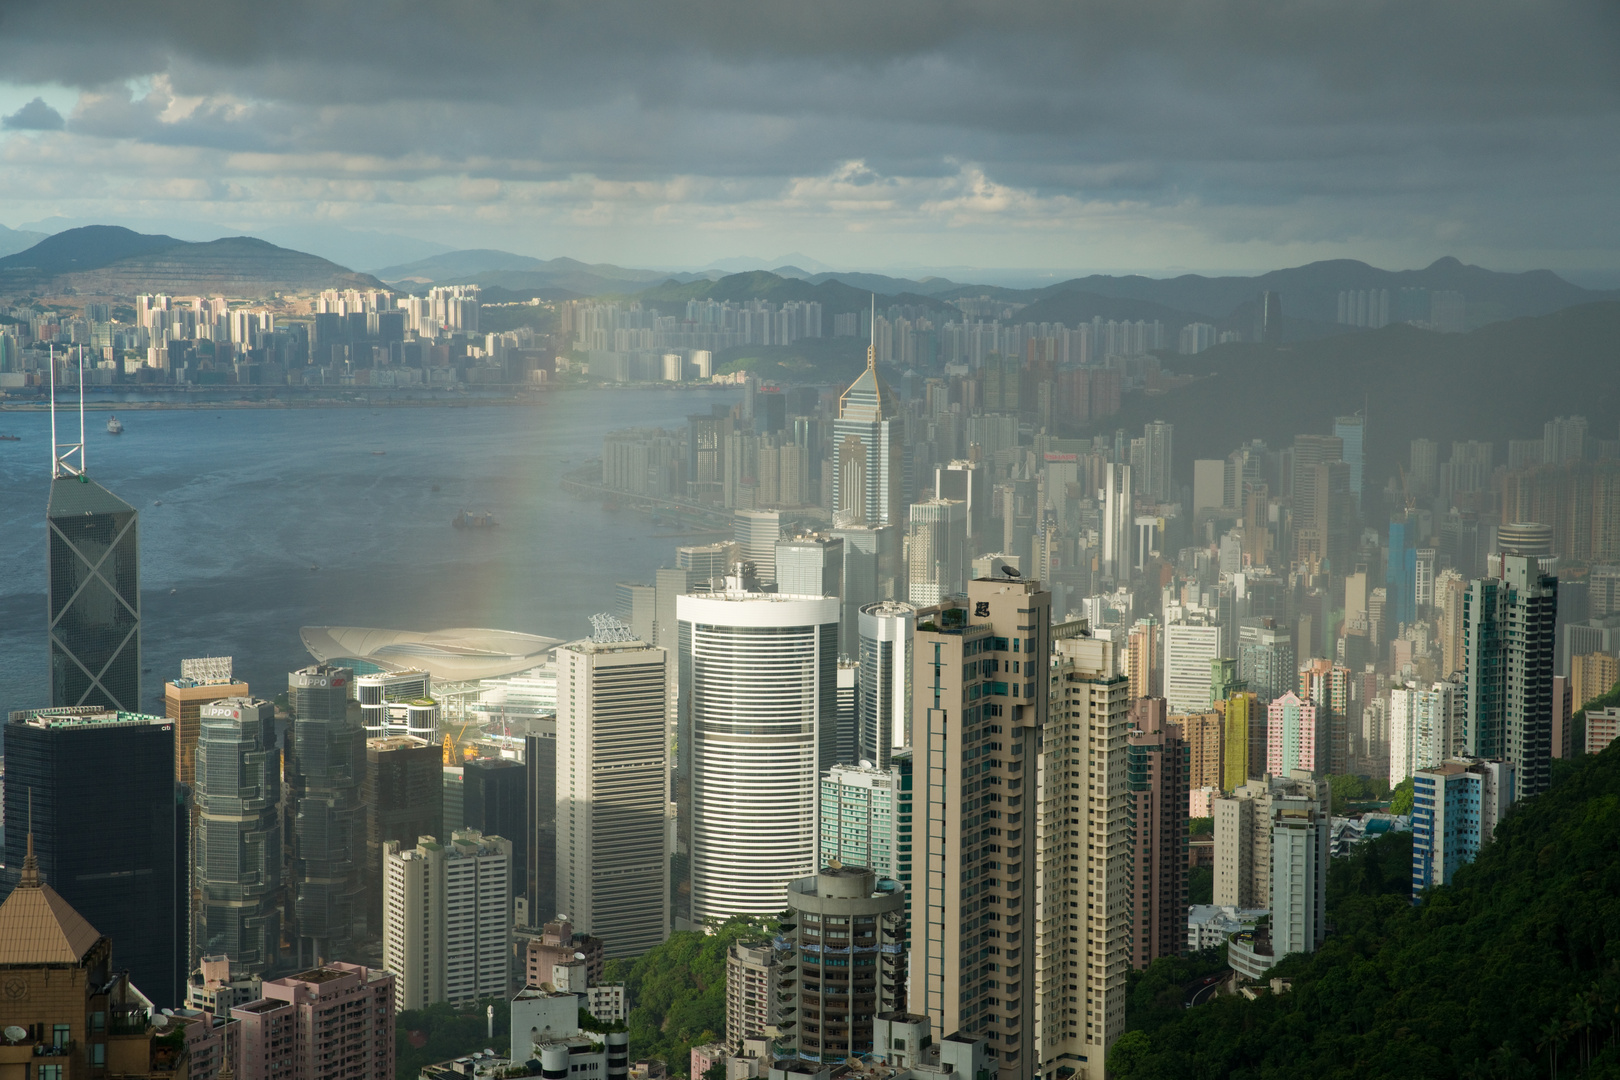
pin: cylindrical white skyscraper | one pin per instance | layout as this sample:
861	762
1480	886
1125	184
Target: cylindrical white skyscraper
757	725
887	628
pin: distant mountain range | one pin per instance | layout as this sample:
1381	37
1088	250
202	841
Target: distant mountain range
1506	379
111	260
103	259
14	240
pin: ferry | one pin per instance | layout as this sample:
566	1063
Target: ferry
115	426
468	520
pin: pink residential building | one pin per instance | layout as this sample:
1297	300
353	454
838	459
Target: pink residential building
336	1020
1292	736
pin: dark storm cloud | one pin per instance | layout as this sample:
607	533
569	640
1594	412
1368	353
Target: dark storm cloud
34	116
1397	109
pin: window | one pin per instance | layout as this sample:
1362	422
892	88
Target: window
61	1035
48	1072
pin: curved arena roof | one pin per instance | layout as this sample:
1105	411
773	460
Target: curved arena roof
455	655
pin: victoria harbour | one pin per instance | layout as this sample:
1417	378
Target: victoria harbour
255	522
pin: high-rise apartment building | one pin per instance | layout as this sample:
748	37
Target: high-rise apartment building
979	701
1456	805
868	453
1508	639
1084	947
858	818
1156	777
236	850
93	593
1243	835
753	982
1326	685
1420	723
201	681
757	704
403	793
842	913
1142	658
1294	736
326	823
1188	650
886	633
936	550
613	791
1243	715
1301	846
447	918
1204	735
1591	675
304	1023
109	829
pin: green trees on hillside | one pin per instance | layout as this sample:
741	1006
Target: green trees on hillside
677	991
1511	971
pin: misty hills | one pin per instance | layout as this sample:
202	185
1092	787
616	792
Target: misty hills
550	279
14	240
111	260
1312	292
835	297
1503	381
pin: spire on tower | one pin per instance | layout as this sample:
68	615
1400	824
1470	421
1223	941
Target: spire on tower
30	866
871	349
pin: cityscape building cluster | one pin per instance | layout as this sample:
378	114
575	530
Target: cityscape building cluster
944	706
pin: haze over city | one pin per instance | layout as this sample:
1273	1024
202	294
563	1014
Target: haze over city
771	541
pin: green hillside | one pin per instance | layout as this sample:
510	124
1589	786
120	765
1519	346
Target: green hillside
835	297
1511	971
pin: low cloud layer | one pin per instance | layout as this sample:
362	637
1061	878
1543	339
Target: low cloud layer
1115	133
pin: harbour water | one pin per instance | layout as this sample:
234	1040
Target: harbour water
255	522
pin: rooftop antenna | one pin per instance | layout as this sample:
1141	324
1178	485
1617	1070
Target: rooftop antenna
871	349
67	459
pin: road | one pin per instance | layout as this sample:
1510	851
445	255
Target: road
1201	990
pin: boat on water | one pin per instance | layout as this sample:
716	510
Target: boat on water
10	438
115	426
466	519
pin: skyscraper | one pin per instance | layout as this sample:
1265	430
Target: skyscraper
758	698
1243	835
1157	441
979	701
236	852
936	550
1117	519
1243	715
613	790
108	829
1301	845
1084	947
1508	637
811	564
1351	432
868	452
93	588
1142	658
403	793
326	828
540	804
887	638
494	802
1188	650
1156	774
756	534
201	681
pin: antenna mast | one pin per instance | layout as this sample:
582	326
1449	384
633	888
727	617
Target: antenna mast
67	459
871	349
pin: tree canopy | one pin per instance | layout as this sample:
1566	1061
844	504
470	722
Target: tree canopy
1512	970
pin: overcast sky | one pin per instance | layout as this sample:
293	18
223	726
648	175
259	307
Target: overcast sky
1153	135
